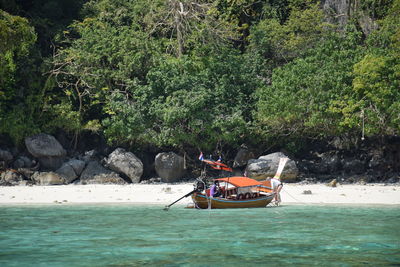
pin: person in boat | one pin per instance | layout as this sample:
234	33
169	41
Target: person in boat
215	190
276	185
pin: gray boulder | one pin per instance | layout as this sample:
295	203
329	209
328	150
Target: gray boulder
23	162
67	172
266	166
242	157
47	178
18	163
169	166
77	165
5	155
126	163
95	173
71	170
47	150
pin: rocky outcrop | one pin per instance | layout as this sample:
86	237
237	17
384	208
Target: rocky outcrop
95	173
349	159
126	163
325	163
266	166
47	150
369	160
47	178
169	166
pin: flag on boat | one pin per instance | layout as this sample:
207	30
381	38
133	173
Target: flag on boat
201	157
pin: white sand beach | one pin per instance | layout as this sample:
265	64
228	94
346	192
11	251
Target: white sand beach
167	193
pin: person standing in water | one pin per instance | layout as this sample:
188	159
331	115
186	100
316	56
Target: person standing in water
276	183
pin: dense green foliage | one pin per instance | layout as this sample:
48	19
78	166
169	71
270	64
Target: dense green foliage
302	97
16	39
204	75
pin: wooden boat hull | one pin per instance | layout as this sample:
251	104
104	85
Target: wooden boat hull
201	201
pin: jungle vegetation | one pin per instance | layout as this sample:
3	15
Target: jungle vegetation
198	75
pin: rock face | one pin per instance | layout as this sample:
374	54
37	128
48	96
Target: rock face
353	166
47	150
266	166
169	166
340	12
47	178
95	173
127	163
325	163
242	157
71	170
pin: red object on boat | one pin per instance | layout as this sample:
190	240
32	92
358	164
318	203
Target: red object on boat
217	165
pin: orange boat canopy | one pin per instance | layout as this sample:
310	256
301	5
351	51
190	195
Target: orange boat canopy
240	181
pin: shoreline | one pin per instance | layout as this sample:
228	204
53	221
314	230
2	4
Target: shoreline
164	194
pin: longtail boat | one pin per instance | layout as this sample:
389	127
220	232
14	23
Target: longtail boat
235	192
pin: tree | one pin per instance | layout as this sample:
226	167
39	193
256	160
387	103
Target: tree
17	37
298	103
200	102
375	96
188	24
279	42
103	54
376	86
117	68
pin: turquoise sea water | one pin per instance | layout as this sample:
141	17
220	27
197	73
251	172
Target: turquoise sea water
127	235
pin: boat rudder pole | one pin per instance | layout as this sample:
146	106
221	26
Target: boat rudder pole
188	194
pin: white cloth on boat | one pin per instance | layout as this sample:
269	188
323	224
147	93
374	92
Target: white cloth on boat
244	190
